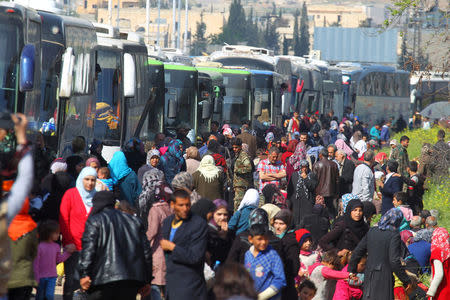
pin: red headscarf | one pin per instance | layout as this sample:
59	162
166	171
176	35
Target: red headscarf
440	245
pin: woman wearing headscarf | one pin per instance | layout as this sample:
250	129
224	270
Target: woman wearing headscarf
269	139
54	186
289	151
96	150
219	237
134	153
440	265
159	210
271	210
214	150
239	221
93	162
125	178
360	148
75	208
382	245
192	159
301	191
209	180
241	244
184	181
172	162
357	136
333	131
75	164
347	232
283	230
273	195
293	163
340	144
153	157
152	179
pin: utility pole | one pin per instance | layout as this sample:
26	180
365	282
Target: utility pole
159	21
147	19
179	26
174	22
110	12
118	9
186	26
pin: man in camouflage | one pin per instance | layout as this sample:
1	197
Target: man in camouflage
401	156
243	172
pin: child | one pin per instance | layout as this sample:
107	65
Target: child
264	264
104	182
324	275
48	256
307	290
351	289
415	190
307	256
399	201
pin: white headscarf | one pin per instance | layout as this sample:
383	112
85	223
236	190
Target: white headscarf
361	146
208	168
251	198
85	195
151	153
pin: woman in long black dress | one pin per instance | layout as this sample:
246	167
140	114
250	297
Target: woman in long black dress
300	192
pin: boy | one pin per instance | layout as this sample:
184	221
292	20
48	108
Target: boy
399	202
415	190
264	264
104	182
307	290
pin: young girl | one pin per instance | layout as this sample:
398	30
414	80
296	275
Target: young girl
48	256
104	181
324	275
307	256
351	289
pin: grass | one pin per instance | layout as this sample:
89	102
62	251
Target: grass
437	196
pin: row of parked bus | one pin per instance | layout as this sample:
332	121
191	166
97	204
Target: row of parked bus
74	78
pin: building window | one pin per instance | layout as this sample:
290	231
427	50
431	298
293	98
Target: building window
94	5
318	16
85	4
339	18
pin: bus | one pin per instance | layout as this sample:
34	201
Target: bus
155	69
209	86
20	61
232	100
375	92
123	98
67	106
180	106
428	88
309	88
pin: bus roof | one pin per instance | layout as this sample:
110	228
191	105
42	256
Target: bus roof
66	20
154	62
224	71
259	72
125	45
24	11
179	67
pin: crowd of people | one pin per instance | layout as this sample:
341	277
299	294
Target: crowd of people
233	215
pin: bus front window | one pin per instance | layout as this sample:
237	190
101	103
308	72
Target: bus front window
262	92
235	104
11	41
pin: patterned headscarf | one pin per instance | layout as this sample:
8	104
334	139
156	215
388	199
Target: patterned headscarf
424	235
440	245
269	137
346	199
152	153
298	156
258	216
58	165
391	220
172	160
405	235
183	181
208	169
340	144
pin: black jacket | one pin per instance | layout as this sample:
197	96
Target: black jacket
115	248
383	258
346	178
291	264
340	237
184	277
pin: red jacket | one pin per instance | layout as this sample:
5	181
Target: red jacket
72	218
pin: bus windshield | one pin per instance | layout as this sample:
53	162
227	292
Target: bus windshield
263	86
107	110
181	87
236	104
11	41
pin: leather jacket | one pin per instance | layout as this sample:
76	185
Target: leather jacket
115	248
327	175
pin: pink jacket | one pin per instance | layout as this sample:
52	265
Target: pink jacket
156	216
344	291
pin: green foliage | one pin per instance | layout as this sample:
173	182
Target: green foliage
271	38
404	60
235	29
200	41
286	45
296	35
438	197
304	32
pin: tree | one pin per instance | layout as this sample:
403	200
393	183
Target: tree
200	41
286	45
235	29
271	38
253	37
304	32
296	35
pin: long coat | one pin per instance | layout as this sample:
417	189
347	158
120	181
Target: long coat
391	186
302	206
383	248
184	277
291	264
346	178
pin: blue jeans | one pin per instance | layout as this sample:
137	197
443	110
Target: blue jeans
155	292
46	288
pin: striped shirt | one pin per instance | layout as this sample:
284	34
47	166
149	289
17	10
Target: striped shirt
266	166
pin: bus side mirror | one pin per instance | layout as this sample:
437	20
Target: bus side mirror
172	109
206	110
257	109
27	58
129	76
68	60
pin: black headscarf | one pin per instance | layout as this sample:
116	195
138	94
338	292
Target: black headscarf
202	207
359	228
284	215
101	201
72	162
